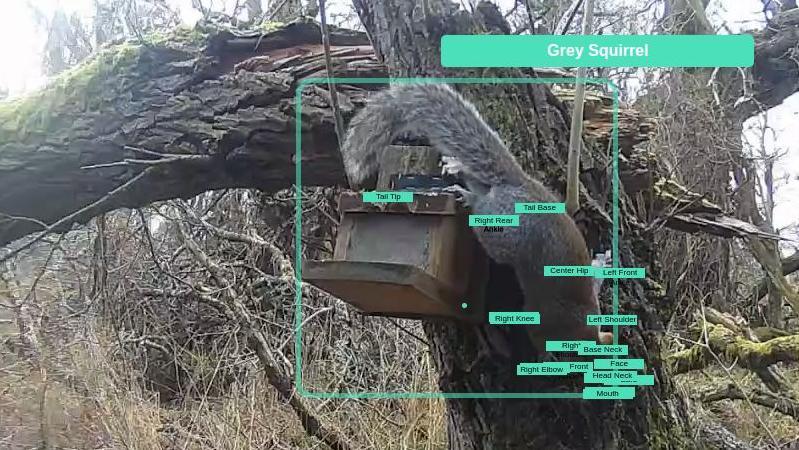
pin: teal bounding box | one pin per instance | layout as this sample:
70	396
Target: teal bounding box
735	50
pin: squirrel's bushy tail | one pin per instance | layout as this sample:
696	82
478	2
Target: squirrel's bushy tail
450	123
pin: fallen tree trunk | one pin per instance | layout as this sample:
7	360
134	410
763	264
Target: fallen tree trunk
229	97
130	107
723	342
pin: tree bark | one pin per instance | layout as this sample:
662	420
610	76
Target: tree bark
534	122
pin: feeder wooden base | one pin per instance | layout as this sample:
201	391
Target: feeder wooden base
386	289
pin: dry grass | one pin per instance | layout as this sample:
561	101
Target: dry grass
736	415
135	361
62	419
104	407
141	328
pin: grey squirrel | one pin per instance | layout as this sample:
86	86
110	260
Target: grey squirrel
494	183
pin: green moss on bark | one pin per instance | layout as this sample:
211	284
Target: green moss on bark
75	90
85	87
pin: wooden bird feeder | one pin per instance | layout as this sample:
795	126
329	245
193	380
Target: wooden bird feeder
410	260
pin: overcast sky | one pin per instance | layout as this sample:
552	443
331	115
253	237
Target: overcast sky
21	46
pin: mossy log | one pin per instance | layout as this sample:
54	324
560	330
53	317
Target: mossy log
733	347
228	96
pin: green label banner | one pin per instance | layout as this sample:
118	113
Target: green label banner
608	393
595	349
493	220
540	208
619	319
552	368
387	197
492	50
514	318
613	364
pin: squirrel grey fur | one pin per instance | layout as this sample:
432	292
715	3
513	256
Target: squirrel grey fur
494	183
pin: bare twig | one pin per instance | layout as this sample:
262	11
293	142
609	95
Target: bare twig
166	158
329	68
732	391
69	218
576	133
571	12
236	310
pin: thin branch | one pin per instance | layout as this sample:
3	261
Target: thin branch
71	217
576	132
329	68
165	159
572	11
275	10
237	311
781	404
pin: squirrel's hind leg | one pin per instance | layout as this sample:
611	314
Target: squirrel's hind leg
467	197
